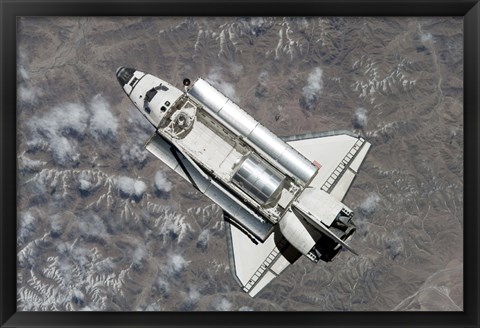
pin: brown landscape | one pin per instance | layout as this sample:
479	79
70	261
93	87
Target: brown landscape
102	225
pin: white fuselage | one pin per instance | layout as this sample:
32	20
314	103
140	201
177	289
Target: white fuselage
214	145
231	147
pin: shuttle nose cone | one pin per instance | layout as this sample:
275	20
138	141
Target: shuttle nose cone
124	74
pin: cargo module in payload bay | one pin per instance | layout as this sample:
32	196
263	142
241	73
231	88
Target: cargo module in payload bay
282	197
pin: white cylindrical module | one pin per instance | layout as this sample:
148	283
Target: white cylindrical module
219	106
258	180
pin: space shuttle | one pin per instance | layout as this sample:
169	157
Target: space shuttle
281	197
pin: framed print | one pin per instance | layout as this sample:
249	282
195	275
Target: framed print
119	210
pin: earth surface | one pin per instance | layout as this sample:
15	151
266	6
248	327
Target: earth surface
104	226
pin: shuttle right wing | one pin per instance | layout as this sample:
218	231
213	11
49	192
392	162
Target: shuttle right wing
338	156
254	265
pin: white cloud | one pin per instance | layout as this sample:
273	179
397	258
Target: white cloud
37	144
56	225
85	185
27	226
154	307
81	255
193	294
360	119
394	244
162	285
29	165
92	226
63	150
23	73
191	298
259	25
132	154
138	256
27	93
426	37
203	238
63	124
84	182
215	78
222	304
369	204
131	187
78	297
102	122
176	264
263	78
106	265
314	86
68	120
161	182
236	69
245	308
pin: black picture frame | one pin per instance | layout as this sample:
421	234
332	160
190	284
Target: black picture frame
10	10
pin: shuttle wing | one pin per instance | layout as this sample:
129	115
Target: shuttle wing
255	265
190	171
162	149
339	156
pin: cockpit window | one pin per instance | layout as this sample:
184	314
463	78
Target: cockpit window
153	91
124	74
150	94
161	87
133	81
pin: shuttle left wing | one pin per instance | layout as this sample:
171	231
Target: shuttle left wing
254	263
190	171
338	157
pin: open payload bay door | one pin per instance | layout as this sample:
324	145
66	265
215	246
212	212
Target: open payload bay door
254	264
245	217
338	155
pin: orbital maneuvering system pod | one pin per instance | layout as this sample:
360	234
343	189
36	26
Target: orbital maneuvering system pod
282	197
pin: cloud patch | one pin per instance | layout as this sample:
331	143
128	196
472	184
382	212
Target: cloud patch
102	122
27	227
215	78
84	182
92	227
175	264
130	187
360	118
236	69
133	154
203	239
263	78
162	286
426	37
191	299
369	205
63	126
58	127
29	94
26	91
394	244
29	165
161	182
222	304
245	308
313	88
138	258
